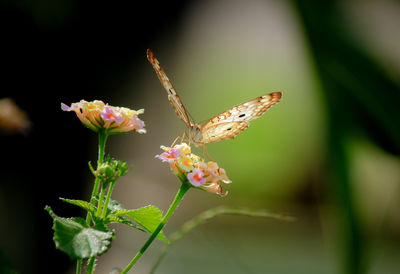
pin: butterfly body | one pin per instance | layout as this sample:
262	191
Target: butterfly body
226	125
196	135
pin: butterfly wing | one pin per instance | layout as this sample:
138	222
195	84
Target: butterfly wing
222	131
230	123
172	95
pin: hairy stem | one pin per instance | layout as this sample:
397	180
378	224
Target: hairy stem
105	207
100	204
90	266
102	145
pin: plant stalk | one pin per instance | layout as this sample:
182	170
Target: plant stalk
102	145
105	206
90	266
78	266
178	198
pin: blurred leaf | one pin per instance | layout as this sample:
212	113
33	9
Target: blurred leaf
357	90
209	214
360	98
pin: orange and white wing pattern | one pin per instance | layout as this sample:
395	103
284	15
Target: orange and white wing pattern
172	95
230	123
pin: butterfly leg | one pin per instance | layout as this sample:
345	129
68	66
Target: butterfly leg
182	138
184	135
176	139
189	139
205	152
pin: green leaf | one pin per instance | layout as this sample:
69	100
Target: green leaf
83	204
75	238
149	217
112	205
122	220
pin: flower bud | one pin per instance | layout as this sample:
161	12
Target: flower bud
111	170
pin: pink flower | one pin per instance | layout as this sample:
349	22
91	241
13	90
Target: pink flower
170	155
98	116
138	124
196	177
109	114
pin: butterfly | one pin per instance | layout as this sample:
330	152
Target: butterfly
226	125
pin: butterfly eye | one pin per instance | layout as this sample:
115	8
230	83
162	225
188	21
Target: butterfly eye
229	128
242	115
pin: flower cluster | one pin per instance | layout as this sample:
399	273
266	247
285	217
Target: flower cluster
98	116
190	167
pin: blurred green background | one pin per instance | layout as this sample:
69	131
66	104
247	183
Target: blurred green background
327	154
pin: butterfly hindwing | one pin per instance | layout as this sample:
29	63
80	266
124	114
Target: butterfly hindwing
233	121
222	131
172	95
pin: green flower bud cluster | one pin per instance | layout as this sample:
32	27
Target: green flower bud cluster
111	170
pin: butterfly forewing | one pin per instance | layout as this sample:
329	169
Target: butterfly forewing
230	123
172	95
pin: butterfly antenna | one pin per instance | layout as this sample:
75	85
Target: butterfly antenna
190	117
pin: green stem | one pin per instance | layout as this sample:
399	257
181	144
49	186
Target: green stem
102	145
100	159
78	266
178	198
100	205
105	207
90	266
